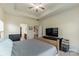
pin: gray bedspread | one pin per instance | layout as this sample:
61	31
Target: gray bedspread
31	48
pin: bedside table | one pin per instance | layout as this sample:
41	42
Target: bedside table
65	45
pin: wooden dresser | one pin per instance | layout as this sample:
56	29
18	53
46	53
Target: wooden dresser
52	41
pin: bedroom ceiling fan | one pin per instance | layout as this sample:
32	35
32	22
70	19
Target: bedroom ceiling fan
37	7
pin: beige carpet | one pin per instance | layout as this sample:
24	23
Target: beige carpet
71	53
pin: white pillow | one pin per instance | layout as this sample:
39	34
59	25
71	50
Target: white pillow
6	47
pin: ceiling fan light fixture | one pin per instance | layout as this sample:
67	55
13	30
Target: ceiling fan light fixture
37	7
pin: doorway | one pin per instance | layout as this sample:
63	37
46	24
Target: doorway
23	31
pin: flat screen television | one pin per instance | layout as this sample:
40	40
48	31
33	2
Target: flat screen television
52	32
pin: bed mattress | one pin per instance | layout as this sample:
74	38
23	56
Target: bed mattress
33	47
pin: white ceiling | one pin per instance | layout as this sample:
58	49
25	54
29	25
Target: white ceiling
22	9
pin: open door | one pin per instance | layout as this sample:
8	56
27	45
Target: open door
23	31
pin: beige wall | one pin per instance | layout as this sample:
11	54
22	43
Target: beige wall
12	24
1	14
68	24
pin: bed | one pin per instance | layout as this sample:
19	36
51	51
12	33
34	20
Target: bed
30	47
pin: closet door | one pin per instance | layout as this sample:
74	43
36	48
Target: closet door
36	31
40	31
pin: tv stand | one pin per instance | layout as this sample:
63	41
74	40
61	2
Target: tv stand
54	38
53	41
50	37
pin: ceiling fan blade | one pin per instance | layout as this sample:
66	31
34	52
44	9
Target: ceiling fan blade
30	7
42	8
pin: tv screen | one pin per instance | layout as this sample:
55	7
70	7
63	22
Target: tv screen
52	32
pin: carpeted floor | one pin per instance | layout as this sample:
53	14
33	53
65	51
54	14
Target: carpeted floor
71	53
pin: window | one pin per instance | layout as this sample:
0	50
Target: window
1	29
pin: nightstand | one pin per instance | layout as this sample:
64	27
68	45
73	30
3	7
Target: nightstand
65	45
